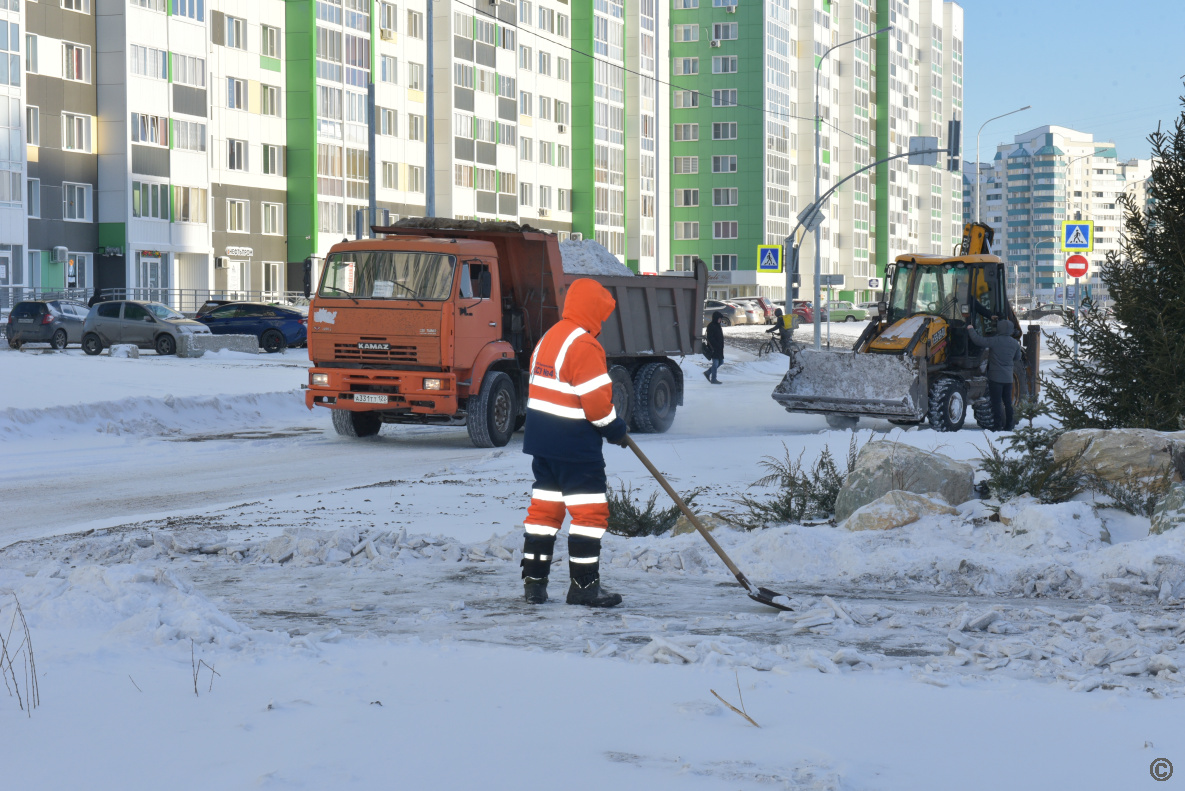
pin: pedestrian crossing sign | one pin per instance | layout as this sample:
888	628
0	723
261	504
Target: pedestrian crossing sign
769	258
1078	236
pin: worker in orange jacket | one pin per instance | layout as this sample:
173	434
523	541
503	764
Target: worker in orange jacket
569	416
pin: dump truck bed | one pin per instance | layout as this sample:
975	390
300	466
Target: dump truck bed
655	315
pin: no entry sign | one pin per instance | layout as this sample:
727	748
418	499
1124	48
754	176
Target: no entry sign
1076	266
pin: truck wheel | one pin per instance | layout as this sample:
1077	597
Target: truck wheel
842	422
492	414
623	392
948	404
983	414
654	399
356	424
91	344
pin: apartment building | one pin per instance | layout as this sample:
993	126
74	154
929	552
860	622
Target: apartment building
13	135
743	98
1044	177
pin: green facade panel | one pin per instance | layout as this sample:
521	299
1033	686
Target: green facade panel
583	137
300	85
882	203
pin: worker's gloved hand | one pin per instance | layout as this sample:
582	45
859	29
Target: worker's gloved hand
622	441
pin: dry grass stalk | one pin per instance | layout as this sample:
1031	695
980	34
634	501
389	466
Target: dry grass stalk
741	711
23	651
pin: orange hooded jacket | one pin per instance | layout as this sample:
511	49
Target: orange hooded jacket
570	403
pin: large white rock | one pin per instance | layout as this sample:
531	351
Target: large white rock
896	509
129	351
884	466
1170	511
197	345
1121	455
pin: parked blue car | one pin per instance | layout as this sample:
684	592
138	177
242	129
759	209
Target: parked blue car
277	328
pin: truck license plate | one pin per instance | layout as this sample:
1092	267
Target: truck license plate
369	398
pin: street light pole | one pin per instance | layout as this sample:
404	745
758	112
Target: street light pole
818	307
977	134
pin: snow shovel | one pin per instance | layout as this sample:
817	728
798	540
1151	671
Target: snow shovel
758	594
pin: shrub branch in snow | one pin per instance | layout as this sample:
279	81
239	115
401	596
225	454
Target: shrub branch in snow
1027	466
627	519
12	648
801	493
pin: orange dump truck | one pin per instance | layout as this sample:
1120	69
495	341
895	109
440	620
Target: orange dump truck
434	322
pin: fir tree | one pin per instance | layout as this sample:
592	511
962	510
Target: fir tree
1130	368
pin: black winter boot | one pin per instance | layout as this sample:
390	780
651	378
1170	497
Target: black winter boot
535	590
592	594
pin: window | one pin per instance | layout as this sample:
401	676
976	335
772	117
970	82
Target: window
387	19
150	129
683	263
236	94
544	197
415	25
687	230
463	175
415	127
724	64
189	136
724	263
525	60
724	197
563	69
390	175
686	165
526	149
545	19
565	159
273	218
149	62
681	5
76	62
686	99
388	69
686	132
545	63
525	103
273	160
237	216
525	12
562	26
724	230
31	53
724	3
685	66
415	178
76	132
269	41
236	154
415	76
564	199
271	274
150	201
546	153
724	31
686	33
507	134
687	197
82	6
189	71
724	164
269	99
76	202
563	112
388	122
724	131
545	108
32	126
724	97
236	32
34	187
193	9
526	194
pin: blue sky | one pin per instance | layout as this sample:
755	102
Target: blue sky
1109	67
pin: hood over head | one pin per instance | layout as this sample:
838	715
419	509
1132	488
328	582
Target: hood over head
717	316
588	304
1004	327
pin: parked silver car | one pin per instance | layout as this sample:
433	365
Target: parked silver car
149	325
733	314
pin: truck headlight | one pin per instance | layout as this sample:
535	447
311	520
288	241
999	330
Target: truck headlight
433	384
320	380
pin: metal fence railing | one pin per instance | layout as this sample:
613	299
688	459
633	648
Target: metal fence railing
186	300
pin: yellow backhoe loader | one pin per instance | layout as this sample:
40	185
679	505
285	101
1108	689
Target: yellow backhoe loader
914	362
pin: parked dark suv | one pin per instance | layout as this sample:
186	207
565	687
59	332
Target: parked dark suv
57	322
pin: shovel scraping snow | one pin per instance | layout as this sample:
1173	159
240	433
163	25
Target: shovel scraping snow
758	594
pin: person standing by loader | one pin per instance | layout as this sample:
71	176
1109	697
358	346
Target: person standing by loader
1004	352
570	414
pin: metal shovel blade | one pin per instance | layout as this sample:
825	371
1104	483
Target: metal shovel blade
770	598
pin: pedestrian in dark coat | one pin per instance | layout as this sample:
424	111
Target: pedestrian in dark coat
1004	352
715	347
95	299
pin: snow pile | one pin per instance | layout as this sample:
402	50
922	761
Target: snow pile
589	257
155	416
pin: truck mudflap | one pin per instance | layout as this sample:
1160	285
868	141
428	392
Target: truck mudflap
890	386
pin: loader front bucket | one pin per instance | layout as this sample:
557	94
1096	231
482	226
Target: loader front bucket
855	384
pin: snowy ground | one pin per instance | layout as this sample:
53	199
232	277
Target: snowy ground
148	502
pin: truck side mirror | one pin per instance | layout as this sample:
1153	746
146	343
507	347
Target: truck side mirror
485	284
882	308
308	277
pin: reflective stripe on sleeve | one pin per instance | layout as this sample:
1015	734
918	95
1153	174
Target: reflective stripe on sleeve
607	419
584	499
592	384
590	532
547	496
574	413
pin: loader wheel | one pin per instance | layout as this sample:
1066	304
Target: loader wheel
842	422
983	414
492	413
948	404
623	392
356	424
654	399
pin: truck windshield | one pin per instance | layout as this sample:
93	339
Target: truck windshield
380	274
